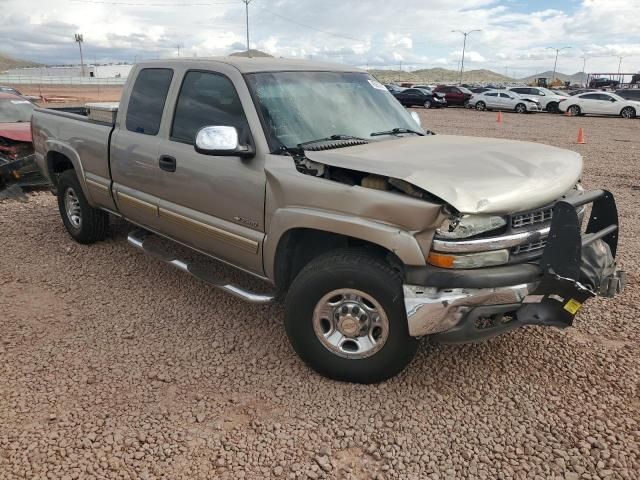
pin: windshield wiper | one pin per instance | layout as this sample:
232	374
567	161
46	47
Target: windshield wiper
331	138
396	131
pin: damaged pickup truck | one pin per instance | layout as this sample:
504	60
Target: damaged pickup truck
314	178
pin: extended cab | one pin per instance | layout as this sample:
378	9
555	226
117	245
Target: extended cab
313	177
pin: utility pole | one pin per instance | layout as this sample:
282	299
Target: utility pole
555	65
584	67
620	57
78	38
246	9
464	47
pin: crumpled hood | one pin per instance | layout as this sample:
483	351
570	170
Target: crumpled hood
473	174
19	132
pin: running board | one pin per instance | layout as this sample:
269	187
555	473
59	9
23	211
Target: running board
138	238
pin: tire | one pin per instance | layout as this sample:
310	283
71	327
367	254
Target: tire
628	112
521	108
427	104
575	110
552	107
85	224
481	106
340	281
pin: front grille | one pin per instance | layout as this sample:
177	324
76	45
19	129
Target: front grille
532	218
529	247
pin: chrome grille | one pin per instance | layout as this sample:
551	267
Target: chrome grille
529	247
531	218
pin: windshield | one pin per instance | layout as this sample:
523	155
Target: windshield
465	90
15	110
299	107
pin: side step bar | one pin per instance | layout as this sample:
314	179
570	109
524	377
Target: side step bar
137	239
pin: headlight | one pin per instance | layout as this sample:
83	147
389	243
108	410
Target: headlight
468	225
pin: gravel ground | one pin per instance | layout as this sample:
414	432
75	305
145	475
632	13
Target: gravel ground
114	365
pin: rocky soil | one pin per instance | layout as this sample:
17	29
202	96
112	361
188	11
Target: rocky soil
113	365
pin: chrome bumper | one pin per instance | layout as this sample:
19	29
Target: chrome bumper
430	310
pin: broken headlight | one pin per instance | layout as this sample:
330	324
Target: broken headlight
465	226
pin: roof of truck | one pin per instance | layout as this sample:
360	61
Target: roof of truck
259	64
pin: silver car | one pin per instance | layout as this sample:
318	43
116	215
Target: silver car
503	100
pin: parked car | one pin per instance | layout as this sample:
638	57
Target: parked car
454	95
600	103
418	96
394	88
603	82
548	100
17	161
425	87
311	177
629	93
503	100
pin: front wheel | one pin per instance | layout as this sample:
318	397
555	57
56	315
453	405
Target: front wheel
574	110
628	112
427	104
521	108
345	317
481	106
552	107
84	223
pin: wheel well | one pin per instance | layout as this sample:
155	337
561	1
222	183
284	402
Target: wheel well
299	246
56	164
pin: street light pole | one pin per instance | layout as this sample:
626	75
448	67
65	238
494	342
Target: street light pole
80	39
584	73
620	67
555	64
246	8
464	47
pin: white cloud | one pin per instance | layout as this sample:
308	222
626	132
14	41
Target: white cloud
375	32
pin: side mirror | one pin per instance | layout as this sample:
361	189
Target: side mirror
416	118
612	100
221	141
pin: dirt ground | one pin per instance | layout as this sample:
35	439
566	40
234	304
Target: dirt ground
114	365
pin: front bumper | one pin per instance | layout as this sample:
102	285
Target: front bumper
574	267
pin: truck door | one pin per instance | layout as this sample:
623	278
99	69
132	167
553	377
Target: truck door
212	203
134	147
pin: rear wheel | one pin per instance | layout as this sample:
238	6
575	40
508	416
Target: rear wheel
628	112
574	110
553	107
481	106
521	108
345	317
84	223
427	104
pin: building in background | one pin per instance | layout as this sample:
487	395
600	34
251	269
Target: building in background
97	71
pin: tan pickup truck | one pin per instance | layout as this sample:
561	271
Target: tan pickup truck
313	177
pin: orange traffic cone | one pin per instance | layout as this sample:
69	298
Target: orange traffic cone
499	120
581	140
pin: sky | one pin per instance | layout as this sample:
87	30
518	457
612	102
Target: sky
514	37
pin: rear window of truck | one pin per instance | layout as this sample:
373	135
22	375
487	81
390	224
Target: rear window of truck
146	103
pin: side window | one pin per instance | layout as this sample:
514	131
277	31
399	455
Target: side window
206	99
605	97
493	94
146	103
520	90
591	96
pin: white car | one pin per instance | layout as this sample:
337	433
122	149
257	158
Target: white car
600	103
503	100
547	99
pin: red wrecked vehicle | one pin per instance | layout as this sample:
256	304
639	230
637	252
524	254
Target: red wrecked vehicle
17	165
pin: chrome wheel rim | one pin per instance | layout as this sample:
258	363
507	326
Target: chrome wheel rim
72	207
520	108
350	323
480	106
575	111
626	112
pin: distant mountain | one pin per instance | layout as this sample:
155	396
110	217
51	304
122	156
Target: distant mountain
250	53
578	77
7	63
439	75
